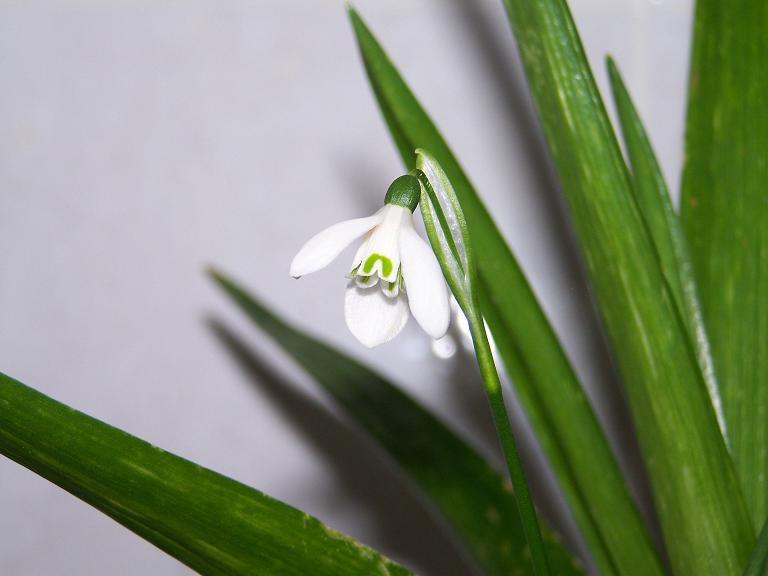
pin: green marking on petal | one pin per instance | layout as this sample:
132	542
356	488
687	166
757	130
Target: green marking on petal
386	264
366	281
391	289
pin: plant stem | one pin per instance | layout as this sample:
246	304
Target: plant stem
493	391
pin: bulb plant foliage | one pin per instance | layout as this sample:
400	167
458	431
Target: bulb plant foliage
683	301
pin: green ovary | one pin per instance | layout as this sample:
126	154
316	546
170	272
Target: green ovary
386	264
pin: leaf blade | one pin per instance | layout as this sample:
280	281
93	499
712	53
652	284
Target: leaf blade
471	495
758	562
655	205
725	216
210	522
703	516
567	429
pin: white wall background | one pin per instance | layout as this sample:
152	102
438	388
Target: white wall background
142	140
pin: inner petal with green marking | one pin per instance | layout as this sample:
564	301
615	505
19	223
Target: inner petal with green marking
379	254
393	289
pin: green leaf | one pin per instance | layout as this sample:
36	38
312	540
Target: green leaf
209	522
758	562
544	380
703	517
725	217
472	497
666	232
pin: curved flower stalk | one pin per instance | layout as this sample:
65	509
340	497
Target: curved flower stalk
393	270
449	235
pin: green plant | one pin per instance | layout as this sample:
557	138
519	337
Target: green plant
682	300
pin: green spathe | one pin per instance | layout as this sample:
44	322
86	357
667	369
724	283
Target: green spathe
404	191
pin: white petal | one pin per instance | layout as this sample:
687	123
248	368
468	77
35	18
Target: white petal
366	281
390	289
424	283
382	243
372	317
362	249
322	248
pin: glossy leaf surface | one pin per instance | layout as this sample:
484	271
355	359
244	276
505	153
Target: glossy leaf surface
725	216
209	522
703	517
662	222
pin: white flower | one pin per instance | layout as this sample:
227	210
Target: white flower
394	268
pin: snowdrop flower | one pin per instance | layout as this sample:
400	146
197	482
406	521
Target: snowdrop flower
393	269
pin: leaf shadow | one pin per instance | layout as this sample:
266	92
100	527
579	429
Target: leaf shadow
365	180
401	525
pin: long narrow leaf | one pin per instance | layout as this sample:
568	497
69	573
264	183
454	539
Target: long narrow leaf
544	381
702	513
725	217
473	498
758	562
666	232
211	523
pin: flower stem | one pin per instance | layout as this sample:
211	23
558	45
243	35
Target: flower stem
495	396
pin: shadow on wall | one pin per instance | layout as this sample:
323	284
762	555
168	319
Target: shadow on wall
401	527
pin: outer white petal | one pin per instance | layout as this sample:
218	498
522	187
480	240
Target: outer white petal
322	248
372	317
424	283
362	250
